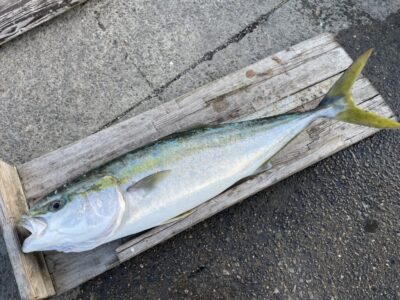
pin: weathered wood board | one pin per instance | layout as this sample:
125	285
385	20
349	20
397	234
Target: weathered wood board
17	17
30	271
293	79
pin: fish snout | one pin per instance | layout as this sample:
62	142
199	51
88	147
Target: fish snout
36	226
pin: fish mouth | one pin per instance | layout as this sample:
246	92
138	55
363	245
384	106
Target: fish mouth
36	226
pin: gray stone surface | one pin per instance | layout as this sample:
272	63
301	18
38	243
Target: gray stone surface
61	82
329	232
167	37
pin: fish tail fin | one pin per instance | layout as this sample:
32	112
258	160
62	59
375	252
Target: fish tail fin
344	108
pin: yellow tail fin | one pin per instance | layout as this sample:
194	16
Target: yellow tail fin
340	96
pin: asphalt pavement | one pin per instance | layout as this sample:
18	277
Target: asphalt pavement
331	231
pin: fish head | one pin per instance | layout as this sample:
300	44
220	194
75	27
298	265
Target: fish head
77	219
49	213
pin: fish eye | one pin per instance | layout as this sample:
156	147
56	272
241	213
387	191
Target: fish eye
56	205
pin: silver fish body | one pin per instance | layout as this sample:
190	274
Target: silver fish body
196	165
201	164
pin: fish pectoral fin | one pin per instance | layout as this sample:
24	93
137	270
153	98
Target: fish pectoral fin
178	217
149	182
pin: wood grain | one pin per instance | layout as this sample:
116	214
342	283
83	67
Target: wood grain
18	16
30	270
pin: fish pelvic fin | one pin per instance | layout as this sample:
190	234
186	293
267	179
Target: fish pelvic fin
340	98
178	217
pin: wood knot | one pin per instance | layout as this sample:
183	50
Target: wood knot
250	73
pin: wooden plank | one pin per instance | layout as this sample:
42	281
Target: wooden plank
17	17
30	270
293	79
237	94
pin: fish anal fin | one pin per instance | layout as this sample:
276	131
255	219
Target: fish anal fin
149	182
264	167
179	217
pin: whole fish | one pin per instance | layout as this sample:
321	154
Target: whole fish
164	181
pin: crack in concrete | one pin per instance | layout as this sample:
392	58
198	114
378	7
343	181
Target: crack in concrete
145	78
206	57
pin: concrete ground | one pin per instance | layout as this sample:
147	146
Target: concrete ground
329	232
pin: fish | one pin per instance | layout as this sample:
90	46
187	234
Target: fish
165	181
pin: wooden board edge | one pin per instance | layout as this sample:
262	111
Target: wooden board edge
20	16
30	270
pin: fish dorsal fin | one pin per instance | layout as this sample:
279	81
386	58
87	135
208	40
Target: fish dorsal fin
148	182
178	217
